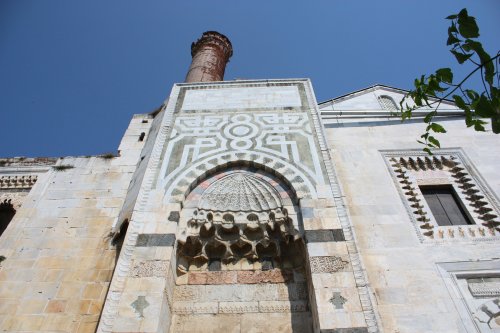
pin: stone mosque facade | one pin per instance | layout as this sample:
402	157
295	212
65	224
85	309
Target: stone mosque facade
247	206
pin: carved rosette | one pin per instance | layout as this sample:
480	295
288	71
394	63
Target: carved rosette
239	216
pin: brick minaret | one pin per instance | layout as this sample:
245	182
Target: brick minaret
210	55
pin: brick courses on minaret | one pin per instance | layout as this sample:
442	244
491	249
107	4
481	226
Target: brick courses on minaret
210	55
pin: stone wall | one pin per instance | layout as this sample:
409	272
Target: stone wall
207	129
58	247
413	275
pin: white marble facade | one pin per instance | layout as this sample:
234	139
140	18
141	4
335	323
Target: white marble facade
246	206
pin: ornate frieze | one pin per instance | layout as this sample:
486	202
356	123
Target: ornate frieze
17	181
487	287
149	268
238	192
447	167
239	216
282	141
327	264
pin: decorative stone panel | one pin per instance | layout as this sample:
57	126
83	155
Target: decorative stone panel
17	181
240	216
475	292
327	264
149	268
281	141
410	169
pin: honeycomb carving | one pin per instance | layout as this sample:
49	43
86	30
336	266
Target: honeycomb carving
239	217
229	242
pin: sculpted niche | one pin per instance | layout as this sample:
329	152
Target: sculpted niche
239	216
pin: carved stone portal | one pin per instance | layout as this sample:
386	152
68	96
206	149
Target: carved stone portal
239	216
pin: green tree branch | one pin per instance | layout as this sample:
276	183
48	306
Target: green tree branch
429	90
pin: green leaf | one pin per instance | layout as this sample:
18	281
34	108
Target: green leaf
406	114
451	17
470	44
472	94
460	102
495	98
478	126
452	39
489	67
484	107
467	25
445	75
427	150
434	141
428	117
437	128
461	57
495	123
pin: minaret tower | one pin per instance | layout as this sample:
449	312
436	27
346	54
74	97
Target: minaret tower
210	55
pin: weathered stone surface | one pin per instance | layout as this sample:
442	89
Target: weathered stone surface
238	307
283	306
329	235
222	277
197	278
157	268
329	264
269	276
147	240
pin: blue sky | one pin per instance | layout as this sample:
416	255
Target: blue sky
72	73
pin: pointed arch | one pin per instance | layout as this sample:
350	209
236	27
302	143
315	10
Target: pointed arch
291	175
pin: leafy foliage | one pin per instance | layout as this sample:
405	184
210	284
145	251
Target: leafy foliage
433	89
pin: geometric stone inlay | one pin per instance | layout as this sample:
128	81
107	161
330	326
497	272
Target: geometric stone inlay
174	216
337	300
330	235
146	240
411	170
150	268
327	264
139	305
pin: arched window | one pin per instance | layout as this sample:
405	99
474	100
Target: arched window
388	103
7	212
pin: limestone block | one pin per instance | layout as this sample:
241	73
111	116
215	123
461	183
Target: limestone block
198	307
238	307
229	277
269	276
334	280
206	323
340	319
55	306
283	306
54	323
276	322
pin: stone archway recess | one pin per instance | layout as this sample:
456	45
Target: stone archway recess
241	256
